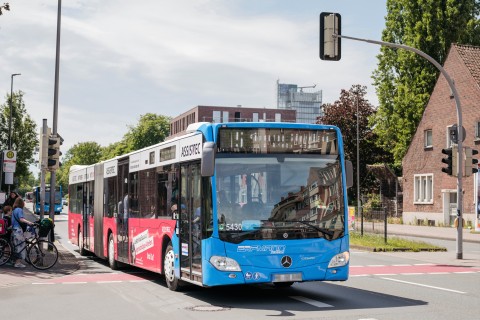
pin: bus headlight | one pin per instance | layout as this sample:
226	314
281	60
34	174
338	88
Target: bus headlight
224	264
339	260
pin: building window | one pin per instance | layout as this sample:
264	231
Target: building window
423	189
255	117
217	117
428	138
225	116
451	136
477	130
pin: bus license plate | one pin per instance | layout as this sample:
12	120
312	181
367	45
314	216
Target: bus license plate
287	277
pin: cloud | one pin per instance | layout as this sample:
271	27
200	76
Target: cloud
121	59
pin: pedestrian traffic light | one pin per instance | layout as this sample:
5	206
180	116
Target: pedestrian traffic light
451	160
53	153
330	43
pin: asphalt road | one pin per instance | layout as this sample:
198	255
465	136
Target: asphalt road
429	285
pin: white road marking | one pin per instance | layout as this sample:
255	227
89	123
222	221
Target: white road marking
312	302
424	285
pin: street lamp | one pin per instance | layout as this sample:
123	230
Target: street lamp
11	113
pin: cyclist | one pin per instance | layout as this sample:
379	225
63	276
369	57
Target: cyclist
18	238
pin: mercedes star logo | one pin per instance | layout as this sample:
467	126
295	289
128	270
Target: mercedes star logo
286	261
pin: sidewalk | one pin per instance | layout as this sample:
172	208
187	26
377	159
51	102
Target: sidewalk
66	264
443	233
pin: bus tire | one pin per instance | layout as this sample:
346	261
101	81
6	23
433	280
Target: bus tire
111	253
173	283
81	250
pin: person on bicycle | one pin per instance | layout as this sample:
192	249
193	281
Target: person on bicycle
18	238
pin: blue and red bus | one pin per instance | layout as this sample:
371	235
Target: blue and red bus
225	204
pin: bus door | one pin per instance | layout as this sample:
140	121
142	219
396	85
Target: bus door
190	222
123	207
88	214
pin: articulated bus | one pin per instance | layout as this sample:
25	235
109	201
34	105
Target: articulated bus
225	204
58	200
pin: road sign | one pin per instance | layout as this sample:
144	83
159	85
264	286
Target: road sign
453	131
9	161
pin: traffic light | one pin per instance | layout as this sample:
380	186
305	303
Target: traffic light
53	153
451	160
330	44
43	148
474	161
471	164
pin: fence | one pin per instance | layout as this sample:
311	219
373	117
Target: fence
374	220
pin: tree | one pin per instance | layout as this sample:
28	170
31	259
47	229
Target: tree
404	80
343	114
24	135
151	129
83	153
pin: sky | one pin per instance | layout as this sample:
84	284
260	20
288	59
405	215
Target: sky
122	59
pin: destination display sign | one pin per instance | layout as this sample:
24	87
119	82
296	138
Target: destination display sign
272	140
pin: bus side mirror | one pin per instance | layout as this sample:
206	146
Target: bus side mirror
208	159
349	173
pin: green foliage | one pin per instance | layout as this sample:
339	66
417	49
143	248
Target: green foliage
24	135
83	153
151	129
373	201
377	243
342	113
404	80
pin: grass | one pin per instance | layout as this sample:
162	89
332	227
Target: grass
377	243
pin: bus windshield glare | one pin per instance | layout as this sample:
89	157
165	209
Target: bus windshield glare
278	184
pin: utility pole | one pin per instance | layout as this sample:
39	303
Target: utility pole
55	114
359	207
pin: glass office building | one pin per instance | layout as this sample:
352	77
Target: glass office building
307	104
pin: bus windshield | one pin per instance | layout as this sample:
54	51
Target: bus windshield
279	196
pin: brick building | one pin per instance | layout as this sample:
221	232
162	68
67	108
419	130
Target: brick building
428	193
179	124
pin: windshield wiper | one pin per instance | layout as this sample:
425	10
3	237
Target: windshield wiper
322	230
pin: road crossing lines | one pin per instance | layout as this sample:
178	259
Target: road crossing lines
406	269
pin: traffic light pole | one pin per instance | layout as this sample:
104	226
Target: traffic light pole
459	123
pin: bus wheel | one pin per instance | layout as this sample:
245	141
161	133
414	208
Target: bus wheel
169	269
81	250
111	253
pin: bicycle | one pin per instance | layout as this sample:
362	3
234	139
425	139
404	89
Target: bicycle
41	254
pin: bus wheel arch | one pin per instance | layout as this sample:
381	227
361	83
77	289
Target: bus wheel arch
111	252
